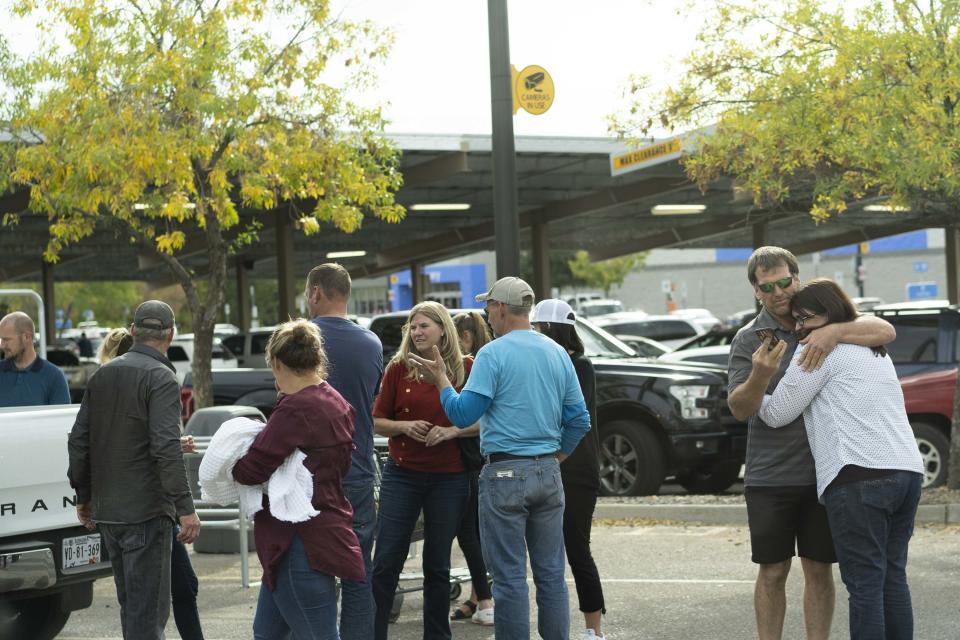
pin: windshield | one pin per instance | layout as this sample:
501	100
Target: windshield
599	343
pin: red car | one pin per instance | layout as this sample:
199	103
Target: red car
929	401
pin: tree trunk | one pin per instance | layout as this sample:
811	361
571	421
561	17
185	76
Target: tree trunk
953	473
205	319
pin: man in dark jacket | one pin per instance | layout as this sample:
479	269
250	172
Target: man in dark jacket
127	469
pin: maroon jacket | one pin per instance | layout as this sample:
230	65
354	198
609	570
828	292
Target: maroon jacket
319	422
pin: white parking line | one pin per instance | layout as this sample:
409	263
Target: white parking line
659	531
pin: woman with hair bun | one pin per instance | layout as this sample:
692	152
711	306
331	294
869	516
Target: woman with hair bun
425	470
302	560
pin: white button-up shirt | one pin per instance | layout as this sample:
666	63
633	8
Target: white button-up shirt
853	411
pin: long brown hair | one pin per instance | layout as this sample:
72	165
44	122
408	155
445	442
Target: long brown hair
449	342
473	322
824	296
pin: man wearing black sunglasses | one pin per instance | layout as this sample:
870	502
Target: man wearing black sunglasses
784	515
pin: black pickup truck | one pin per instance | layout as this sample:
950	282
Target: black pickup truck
657	419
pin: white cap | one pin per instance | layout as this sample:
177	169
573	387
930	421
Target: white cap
553	310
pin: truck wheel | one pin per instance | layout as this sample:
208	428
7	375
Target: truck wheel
631	460
713	479
36	618
935	451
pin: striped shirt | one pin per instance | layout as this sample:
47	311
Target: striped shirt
853	412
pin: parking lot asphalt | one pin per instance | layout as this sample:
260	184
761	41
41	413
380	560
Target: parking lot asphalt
660	582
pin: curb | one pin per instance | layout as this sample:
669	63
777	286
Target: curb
736	514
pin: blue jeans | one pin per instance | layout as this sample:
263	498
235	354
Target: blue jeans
872	521
302	606
521	510
183	588
356	598
140	556
403	493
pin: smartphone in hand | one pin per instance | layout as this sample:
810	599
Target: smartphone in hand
765	333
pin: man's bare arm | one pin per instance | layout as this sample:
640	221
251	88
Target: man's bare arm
866	331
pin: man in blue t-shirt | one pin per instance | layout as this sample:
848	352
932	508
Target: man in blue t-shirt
26	379
356	367
524	390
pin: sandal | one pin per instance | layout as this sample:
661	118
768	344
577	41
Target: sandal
460	614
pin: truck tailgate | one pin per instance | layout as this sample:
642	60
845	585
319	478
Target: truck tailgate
34	492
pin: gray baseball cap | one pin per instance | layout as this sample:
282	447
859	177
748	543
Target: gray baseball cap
154	314
510	290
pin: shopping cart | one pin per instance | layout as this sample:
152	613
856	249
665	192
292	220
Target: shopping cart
411	581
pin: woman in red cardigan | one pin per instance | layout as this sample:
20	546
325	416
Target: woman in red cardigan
425	470
301	560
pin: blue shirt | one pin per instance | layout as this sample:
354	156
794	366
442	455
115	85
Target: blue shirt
535	403
40	383
355	370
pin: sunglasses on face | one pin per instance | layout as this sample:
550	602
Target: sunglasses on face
783	283
801	319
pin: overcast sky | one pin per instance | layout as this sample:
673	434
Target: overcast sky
438	77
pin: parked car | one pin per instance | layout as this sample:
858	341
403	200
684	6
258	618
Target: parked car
703	318
719	356
247	387
655	418
867	303
250	347
925	355
668	330
644	347
180	355
929	401
740	318
600	307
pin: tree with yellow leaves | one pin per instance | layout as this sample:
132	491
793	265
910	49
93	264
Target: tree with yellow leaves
183	120
825	103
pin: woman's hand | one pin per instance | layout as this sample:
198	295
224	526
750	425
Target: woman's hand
416	429
441	434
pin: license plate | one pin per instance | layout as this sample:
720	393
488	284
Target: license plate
81	551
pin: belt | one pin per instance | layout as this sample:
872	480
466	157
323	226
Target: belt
500	456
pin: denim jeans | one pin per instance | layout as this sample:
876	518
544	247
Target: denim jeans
140	555
303	606
403	494
356	598
872	521
183	587
521	511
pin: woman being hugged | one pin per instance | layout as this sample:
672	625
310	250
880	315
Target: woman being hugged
580	472
869	469
425	470
301	560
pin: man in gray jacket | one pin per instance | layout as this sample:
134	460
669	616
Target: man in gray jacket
127	469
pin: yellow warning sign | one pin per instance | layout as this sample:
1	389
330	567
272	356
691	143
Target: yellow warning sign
533	89
645	155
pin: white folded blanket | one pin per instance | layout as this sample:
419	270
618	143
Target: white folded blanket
290	487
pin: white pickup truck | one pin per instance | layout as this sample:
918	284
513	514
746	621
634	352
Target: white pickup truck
48	562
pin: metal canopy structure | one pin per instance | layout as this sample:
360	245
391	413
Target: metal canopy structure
568	199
